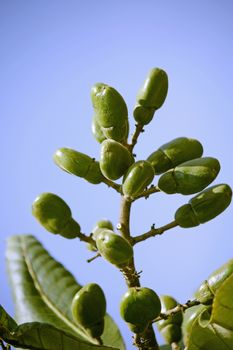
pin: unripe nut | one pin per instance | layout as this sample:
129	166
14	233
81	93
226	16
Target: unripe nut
114	248
89	308
205	206
138	307
137	178
54	215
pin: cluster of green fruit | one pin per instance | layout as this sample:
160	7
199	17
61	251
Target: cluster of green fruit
183	170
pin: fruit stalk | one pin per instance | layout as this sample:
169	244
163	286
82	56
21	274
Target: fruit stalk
147	339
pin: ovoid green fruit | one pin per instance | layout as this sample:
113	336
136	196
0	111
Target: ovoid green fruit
115	159
174	153
170	328
143	115
78	164
110	112
138	307
190	177
104	223
204	206
114	248
190	316
137	178
154	90
96	130
54	215
209	287
89	308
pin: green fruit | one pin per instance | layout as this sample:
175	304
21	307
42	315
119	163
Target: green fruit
170	328
96	130
114	248
204	206
174	153
154	90
111	112
190	177
55	215
137	178
89	308
209	287
78	164
97	229
143	115
138	307
115	159
100	225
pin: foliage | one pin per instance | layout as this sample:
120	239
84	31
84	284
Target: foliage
53	311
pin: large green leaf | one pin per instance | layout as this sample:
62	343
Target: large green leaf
40	336
43	290
214	331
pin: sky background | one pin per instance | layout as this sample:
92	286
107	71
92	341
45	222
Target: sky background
51	54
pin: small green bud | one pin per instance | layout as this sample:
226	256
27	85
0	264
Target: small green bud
79	164
96	130
55	215
154	90
190	177
111	112
204	206
89	308
209	287
114	248
170	328
143	115
174	153
97	229
138	307
115	159
104	223
137	178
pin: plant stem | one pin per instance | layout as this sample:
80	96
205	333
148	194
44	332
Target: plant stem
85	238
176	309
112	184
148	192
154	232
138	130
147	339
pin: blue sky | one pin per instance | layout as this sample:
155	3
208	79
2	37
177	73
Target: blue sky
52	52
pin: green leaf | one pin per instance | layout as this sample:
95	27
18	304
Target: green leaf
43	290
40	336
165	347
215	331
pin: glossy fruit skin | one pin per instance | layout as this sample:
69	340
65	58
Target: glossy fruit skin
190	177
205	206
96	130
170	328
154	90
78	164
138	307
104	223
115	159
110	112
89	308
114	248
138	177
143	115
209	287
54	215
174	153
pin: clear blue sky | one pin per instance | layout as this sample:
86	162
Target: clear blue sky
52	52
